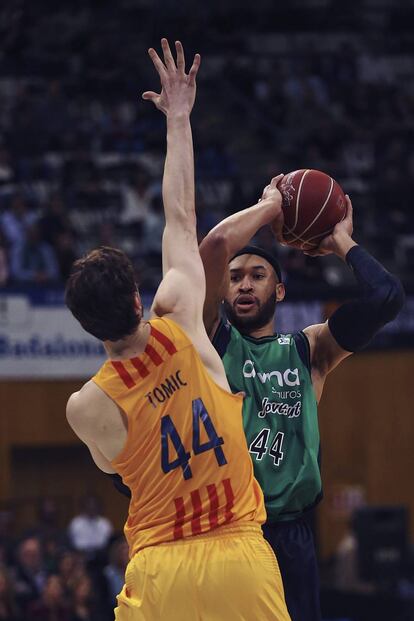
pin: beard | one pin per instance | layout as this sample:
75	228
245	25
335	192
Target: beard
246	324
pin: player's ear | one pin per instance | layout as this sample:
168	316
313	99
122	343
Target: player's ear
280	291
139	309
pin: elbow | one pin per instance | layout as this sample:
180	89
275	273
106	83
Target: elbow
215	243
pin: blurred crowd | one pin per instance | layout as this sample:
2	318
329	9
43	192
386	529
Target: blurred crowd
314	84
54	574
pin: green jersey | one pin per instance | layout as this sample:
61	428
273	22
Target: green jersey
279	415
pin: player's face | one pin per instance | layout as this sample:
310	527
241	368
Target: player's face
254	290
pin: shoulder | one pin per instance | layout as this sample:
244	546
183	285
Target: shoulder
85	404
169	333
302	343
222	336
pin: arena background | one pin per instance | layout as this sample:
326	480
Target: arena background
307	83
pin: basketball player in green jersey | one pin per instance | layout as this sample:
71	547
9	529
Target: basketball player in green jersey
282	375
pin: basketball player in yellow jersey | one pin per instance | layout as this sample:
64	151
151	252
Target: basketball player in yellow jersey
160	414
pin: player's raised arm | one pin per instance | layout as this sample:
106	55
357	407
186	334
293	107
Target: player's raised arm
227	238
355	323
183	288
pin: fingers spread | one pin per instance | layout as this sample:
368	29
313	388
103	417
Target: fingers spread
150	95
168	58
194	68
180	56
158	64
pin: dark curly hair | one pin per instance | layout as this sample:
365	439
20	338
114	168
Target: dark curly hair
100	293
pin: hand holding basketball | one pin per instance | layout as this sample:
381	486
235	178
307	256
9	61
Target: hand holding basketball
340	240
313	203
272	193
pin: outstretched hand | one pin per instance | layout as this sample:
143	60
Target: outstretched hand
340	240
178	89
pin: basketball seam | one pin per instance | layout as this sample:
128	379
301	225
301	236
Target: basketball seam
325	232
297	238
298	197
317	215
309	241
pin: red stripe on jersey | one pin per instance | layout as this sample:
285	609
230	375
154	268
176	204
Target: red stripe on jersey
153	355
214	504
123	373
197	511
164	340
140	367
228	490
179	517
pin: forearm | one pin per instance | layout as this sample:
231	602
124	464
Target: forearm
237	230
355	323
178	179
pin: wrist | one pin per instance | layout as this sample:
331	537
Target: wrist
177	118
343	244
273	208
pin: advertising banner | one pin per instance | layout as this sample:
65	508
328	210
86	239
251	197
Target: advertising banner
39	338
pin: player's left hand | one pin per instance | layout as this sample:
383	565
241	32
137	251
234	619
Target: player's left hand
340	238
178	88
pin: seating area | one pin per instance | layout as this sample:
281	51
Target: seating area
314	84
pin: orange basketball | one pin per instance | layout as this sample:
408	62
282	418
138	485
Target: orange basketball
313	203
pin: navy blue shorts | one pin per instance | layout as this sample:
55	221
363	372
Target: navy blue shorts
293	544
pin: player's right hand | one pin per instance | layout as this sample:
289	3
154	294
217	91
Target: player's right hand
272	193
178	89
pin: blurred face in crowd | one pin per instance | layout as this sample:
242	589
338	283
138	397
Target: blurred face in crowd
83	590
253	292
30	554
5	584
53	592
70	565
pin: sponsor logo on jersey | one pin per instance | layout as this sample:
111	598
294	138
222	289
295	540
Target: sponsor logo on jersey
283	409
288	377
287	394
284	340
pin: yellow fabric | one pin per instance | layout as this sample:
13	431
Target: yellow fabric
230	574
177	499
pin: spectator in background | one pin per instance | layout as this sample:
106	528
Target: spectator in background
66	254
84	604
114	572
8	607
7	539
33	260
53	539
57	231
89	532
54	219
47	521
16	220
6	171
4	260
29	575
51	606
136	197
71	567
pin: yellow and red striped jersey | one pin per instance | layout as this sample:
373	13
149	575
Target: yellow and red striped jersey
185	459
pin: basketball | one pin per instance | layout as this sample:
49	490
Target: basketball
313	203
